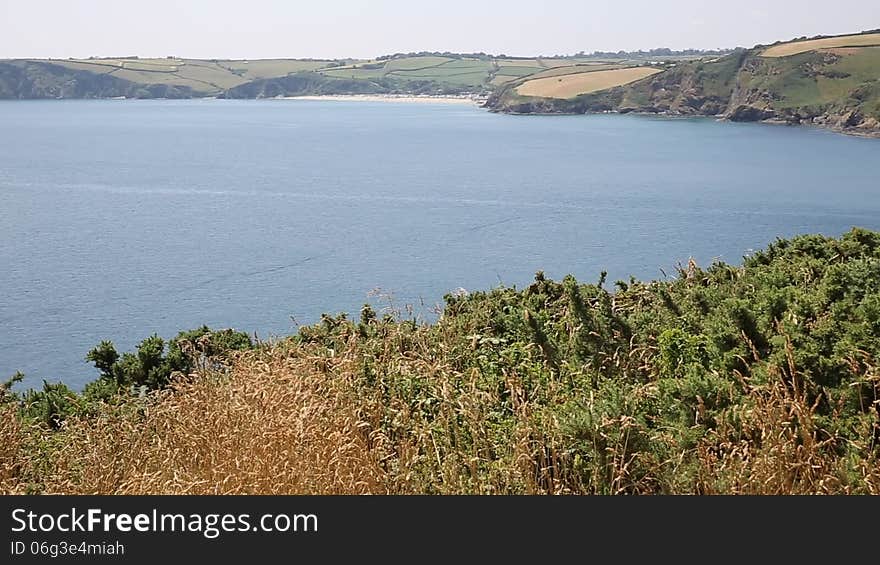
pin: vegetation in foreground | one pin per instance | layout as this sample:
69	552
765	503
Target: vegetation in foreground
757	379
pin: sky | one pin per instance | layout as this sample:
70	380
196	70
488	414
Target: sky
347	28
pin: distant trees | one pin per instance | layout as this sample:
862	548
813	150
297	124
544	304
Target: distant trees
659	52
448	54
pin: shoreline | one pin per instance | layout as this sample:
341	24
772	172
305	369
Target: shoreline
850	132
401	98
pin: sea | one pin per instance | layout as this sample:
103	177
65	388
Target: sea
120	219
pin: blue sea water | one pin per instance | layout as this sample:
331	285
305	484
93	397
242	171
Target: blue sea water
119	219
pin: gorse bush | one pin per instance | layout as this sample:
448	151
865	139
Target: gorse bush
151	367
754	379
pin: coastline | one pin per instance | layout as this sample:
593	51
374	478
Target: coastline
404	98
833	128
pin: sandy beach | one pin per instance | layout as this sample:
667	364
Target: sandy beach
389	98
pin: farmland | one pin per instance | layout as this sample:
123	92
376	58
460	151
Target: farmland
452	71
474	72
571	85
797	47
205	76
176	77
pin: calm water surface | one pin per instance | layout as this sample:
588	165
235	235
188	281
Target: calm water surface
123	218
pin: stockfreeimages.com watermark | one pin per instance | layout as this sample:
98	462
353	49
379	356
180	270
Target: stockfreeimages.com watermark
210	526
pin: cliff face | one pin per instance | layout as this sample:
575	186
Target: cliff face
837	89
40	80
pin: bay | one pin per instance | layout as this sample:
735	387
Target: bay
119	219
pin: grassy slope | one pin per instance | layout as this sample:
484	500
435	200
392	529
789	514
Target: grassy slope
24	79
754	379
204	77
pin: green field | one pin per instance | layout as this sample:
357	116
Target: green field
269	68
471	72
518	71
203	76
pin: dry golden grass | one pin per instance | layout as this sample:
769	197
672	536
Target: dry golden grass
569	86
271	427
788	49
296	421
304	419
10	448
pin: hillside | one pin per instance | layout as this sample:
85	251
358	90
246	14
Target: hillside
831	82
761	378
406	73
189	78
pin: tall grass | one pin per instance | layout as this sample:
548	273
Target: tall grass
302	418
266	428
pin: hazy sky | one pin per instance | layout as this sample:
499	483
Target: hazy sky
348	28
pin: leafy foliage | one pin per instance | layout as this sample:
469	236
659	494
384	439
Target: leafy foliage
150	367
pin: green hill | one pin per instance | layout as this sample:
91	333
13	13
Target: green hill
832	82
420	73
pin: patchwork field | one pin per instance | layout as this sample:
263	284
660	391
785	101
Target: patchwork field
569	86
446	70
575	69
269	68
462	71
425	73
214	76
796	47
200	75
